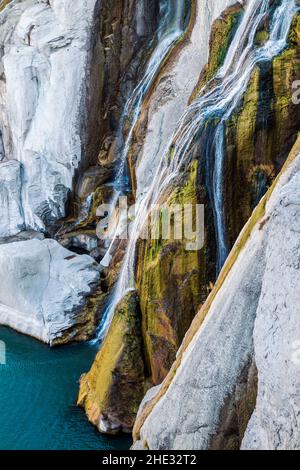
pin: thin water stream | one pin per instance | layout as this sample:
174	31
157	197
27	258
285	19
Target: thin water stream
216	102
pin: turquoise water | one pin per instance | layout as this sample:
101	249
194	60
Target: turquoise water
38	389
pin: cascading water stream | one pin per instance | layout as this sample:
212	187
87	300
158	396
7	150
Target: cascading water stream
170	29
217	101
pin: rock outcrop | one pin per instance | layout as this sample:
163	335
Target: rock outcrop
241	350
113	389
45	51
44	289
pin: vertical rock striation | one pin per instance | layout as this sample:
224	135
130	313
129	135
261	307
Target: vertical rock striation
44	62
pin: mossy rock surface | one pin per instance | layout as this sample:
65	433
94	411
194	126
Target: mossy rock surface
168	281
258	217
261	133
3	4
172	283
222	33
114	387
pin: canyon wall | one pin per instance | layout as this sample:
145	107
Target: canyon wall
235	381
64	77
213	126
172	283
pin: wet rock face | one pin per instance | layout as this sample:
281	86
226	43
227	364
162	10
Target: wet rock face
261	134
259	137
173	283
123	37
225	370
126	35
44	288
58	66
114	387
62	88
168	279
172	91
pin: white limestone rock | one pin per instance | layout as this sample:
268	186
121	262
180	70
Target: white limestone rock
44	64
275	423
253	319
11	212
43	288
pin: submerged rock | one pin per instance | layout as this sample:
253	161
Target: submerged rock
44	289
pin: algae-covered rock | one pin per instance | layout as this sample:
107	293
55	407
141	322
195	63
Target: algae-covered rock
4	3
222	33
113	389
260	135
168	281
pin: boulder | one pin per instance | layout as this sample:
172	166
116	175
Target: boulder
44	289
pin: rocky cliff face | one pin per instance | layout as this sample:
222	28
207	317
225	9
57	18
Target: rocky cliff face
191	103
53	66
228	387
62	86
45	52
167	309
173	283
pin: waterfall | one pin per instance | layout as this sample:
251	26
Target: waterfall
217	101
171	27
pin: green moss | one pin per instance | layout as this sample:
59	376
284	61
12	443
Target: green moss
294	35
261	37
168	283
259	137
222	33
256	218
114	386
261	133
172	151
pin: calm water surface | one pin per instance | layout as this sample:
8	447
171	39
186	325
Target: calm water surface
38	390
